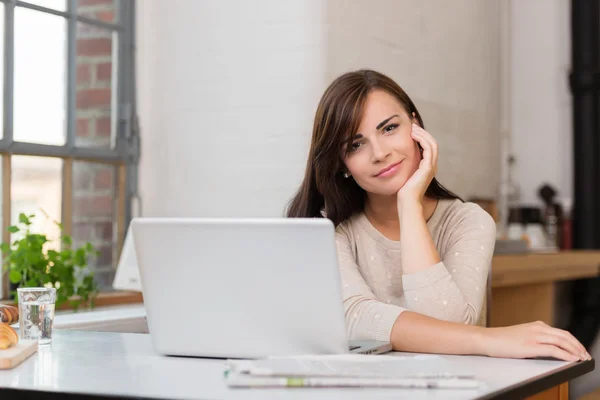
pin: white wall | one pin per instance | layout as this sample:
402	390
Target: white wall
228	90
541	130
446	56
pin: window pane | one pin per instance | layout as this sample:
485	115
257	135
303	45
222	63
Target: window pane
40	77
94	213
59	5
103	10
36	188
96	82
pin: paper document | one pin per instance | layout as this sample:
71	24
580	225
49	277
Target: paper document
352	366
349	371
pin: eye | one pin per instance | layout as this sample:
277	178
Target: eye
355	146
390	127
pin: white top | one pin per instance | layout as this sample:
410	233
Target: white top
376	290
124	364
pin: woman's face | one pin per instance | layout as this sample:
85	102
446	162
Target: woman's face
383	155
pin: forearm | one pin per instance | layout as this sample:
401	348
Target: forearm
433	292
422	334
454	289
369	319
416	244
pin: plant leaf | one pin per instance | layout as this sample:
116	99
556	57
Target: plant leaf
29	263
15	276
80	258
23	219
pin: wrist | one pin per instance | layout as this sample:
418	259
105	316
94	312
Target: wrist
410	204
481	341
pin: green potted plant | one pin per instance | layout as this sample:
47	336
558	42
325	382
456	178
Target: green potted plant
30	264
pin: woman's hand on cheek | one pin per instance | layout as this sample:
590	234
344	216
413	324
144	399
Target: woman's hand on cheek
415	187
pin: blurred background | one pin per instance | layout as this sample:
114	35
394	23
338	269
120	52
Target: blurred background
115	109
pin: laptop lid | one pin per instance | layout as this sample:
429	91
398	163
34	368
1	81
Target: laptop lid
241	288
127	276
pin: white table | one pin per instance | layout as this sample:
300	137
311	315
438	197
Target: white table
102	364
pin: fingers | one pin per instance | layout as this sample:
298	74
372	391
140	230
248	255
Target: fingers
427	153
424	134
429	144
568	336
537	339
547	350
562	339
563	345
425	145
572	343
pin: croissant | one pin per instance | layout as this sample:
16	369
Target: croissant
9	314
8	336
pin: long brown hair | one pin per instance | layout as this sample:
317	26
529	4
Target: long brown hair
338	117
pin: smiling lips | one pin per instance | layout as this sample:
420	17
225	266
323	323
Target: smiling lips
388	171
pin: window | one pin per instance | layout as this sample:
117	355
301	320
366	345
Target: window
69	145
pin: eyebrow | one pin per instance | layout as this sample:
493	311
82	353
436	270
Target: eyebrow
378	127
385	121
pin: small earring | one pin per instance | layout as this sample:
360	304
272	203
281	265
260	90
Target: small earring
346	175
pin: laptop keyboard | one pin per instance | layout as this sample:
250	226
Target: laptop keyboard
353	347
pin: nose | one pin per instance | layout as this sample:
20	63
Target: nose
380	151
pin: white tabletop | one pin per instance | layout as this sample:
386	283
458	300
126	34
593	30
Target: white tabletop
124	364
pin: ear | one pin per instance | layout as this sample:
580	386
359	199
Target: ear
417	122
414	118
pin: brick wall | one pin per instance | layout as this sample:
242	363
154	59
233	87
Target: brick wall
94	187
95	47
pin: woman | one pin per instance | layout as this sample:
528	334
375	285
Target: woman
414	258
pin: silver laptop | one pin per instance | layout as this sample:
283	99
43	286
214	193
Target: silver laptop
243	288
127	276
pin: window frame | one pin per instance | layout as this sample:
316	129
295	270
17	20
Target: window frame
124	155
